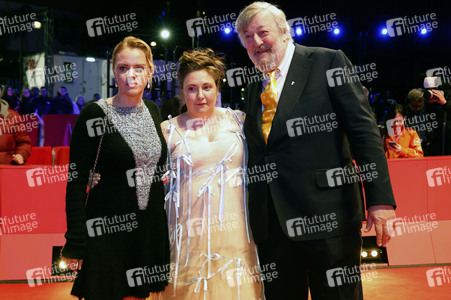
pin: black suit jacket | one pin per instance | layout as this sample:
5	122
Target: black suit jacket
303	150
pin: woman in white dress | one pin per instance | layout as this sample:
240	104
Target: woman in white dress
213	255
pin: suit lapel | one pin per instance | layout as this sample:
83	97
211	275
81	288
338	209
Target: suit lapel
256	108
294	85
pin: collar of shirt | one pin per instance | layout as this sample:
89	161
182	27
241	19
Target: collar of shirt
282	70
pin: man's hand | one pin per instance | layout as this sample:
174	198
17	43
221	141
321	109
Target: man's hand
379	215
438	97
18	158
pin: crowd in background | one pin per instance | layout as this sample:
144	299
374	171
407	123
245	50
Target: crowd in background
39	102
417	126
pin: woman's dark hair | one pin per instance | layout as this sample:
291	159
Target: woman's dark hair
393	110
201	59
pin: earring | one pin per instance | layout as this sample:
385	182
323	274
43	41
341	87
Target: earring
148	85
115	83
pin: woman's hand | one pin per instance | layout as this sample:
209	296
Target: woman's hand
93	180
18	158
72	264
395	147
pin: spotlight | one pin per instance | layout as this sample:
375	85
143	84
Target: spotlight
153	43
373	253
336	31
384	31
90	59
424	31
298	31
242	89
224	80
165	34
37	24
62	265
227	30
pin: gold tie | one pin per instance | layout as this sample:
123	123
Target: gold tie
269	102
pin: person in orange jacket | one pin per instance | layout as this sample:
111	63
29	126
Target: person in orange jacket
400	141
15	142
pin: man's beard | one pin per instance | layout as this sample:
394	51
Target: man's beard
266	61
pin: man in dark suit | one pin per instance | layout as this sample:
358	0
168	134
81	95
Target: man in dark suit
306	218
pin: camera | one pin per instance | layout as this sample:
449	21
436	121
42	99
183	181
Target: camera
432	83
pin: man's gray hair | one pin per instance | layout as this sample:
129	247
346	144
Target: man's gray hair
251	10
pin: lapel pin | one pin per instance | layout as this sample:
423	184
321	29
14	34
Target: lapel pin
292	83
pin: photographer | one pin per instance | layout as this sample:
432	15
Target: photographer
425	112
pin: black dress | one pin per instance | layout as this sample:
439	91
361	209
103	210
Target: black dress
125	246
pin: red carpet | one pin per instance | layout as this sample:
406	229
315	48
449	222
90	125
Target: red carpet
391	283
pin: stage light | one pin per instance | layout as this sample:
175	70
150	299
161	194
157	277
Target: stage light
298	31
224	80
37	24
384	31
62	265
227	30
165	33
90	59
336	31
242	89
374	253
424	31
364	254
153	43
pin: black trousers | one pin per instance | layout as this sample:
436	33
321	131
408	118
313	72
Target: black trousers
329	267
